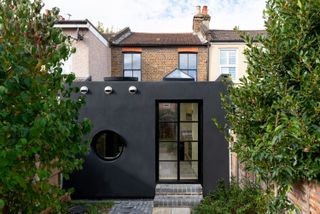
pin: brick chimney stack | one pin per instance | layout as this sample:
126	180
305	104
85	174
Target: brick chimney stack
205	10
198	9
201	18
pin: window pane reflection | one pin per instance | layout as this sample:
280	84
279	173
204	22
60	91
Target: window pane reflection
188	170
167	112
189	112
168	170
168	151
168	131
188	131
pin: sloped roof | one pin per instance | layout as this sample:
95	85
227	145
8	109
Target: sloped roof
82	24
231	35
160	39
177	74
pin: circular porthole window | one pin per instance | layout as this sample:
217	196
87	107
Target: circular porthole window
108	145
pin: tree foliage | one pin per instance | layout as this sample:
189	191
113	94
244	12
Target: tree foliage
39	127
275	111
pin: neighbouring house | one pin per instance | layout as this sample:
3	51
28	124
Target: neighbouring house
92	59
226	53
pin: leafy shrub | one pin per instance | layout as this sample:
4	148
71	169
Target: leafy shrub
233	199
274	112
39	127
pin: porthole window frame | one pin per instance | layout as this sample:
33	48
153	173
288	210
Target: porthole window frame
94	142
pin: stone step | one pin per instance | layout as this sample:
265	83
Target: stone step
176	200
178	189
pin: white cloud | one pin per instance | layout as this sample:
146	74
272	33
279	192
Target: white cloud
163	15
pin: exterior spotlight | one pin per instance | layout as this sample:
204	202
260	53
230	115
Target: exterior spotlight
84	90
108	90
133	90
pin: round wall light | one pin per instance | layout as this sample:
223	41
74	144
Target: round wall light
108	90
133	90
84	90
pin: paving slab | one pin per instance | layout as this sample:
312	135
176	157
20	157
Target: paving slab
159	210
132	207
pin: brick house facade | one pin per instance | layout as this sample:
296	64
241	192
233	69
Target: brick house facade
157	62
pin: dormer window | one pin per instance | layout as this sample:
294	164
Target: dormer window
132	65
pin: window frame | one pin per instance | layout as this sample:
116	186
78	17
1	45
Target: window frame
187	70
132	70
199	141
228	65
94	142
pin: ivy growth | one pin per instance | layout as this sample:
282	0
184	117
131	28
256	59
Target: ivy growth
275	111
39	128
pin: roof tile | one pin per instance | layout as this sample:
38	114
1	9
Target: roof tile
161	39
231	35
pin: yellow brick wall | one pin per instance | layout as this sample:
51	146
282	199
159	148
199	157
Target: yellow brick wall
158	62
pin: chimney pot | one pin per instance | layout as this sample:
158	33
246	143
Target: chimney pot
198	9
205	10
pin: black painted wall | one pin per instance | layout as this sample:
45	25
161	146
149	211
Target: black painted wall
133	174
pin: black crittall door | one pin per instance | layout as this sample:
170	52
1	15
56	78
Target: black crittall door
178	141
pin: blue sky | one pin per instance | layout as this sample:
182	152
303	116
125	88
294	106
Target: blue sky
163	15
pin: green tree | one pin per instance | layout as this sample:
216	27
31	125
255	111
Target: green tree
39	126
100	27
275	111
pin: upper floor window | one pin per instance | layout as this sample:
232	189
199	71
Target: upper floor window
67	66
132	65
188	64
228	62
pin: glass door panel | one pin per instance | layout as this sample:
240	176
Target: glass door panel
178	141
168	170
167	131
168	151
168	112
188	170
188	131
188	151
189	112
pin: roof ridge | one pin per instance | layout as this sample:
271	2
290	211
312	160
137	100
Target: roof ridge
234	30
164	32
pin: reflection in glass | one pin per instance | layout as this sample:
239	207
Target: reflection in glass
168	151
223	57
193	73
127	61
136	74
188	151
127	73
192	61
188	131
136	61
232	57
188	170
167	112
168	131
229	70
183	61
189	112
167	170
108	145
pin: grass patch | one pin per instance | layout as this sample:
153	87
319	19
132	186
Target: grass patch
94	207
